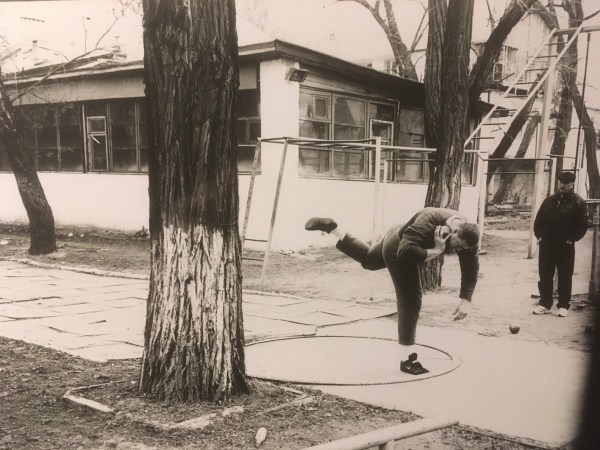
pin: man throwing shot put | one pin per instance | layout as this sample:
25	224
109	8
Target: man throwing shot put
427	235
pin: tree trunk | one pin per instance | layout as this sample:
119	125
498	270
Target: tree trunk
41	219
194	336
433	72
445	179
589	138
509	137
509	178
401	53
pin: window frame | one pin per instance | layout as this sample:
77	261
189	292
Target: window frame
326	167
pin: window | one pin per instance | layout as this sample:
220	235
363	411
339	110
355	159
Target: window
406	166
47	138
52	133
70	142
315	116
97	136
123	136
338	117
97	143
116	136
248	130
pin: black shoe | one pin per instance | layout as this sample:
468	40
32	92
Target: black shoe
412	366
324	224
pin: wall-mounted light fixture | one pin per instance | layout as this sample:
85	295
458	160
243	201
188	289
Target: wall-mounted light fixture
295	74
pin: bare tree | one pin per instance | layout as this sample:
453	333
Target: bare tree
41	219
447	105
194	336
386	19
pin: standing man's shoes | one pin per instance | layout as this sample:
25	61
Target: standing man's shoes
323	224
412	366
562	312
541	310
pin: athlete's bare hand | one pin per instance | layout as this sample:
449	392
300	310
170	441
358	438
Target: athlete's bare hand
440	236
462	309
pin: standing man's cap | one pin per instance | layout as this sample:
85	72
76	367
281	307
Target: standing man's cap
567	177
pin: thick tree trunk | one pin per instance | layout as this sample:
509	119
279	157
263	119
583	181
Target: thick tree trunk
433	72
445	181
194	337
41	219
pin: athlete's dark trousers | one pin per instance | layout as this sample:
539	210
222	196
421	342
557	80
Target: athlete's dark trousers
560	257
405	276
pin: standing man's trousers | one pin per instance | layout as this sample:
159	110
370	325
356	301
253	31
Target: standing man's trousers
556	256
405	276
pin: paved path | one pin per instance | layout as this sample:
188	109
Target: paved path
523	389
102	317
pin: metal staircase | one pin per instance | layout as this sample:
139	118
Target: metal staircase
541	67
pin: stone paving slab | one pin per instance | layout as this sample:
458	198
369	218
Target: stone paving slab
18	311
103	353
272	300
258	328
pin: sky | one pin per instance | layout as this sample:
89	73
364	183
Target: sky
341	28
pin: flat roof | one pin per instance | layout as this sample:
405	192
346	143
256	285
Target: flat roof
411	92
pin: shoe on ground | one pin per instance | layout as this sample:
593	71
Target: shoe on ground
541	310
412	366
323	224
562	312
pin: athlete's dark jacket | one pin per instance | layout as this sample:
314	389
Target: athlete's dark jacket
416	236
561	218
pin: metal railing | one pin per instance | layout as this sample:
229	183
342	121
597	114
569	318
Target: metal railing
384	438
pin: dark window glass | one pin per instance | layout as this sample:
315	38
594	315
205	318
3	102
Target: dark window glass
381	111
124	160
315	162
4	163
71	159
95	109
123	139
98	152
47	139
315	130
245	158
249	105
143	137
71	138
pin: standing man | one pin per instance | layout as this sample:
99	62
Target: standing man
560	222
427	235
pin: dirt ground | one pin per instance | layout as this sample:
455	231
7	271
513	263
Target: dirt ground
32	379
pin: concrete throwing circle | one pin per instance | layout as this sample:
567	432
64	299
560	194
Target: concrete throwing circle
340	360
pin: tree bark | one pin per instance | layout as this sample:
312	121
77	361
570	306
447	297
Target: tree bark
194	336
41	219
451	112
445	181
508	178
589	138
433	72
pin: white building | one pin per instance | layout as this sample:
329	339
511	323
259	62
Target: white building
86	125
